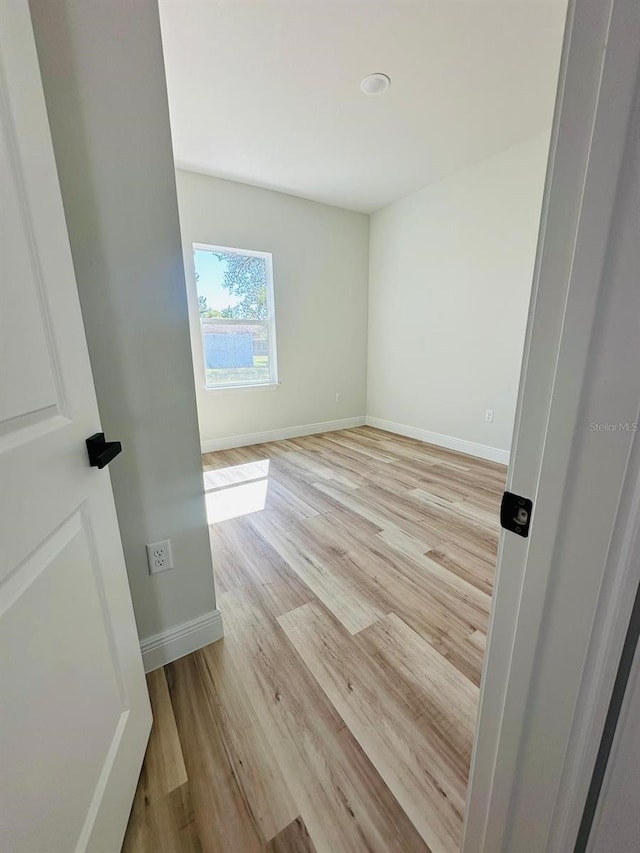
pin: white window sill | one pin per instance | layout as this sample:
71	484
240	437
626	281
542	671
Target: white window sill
262	386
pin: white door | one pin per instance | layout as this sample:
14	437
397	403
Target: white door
74	711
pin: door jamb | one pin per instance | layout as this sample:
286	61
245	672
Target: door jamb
595	101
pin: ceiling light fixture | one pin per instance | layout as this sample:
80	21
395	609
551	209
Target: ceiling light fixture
375	84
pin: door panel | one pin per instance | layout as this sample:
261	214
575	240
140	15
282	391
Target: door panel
74	712
28	380
74	683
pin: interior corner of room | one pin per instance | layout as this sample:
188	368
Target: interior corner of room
414	314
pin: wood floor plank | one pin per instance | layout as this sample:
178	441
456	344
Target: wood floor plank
344	803
479	640
305	465
425	761
222	814
233	474
165	762
436	599
365	469
378	509
484	515
302	486
286	500
340	593
294	838
346	440
244	559
404	543
164	825
416	449
344	462
457	559
467	658
455	527
267	664
250	756
224	459
448	700
162	814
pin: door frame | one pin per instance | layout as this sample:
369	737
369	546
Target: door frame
616	821
543	702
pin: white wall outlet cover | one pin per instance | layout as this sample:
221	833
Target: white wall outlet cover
338	396
488	416
159	556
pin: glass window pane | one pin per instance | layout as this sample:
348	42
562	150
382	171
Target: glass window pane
235	353
235	299
231	285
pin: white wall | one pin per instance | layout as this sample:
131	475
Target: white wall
450	278
106	96
320	261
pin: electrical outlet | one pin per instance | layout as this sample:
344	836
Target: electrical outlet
338	396
159	556
488	416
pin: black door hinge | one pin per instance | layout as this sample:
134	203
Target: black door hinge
515	513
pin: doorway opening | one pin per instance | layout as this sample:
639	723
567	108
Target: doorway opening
353	495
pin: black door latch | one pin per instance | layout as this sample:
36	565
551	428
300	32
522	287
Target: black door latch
101	452
515	513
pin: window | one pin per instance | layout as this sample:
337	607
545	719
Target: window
235	301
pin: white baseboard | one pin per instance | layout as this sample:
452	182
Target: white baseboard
181	640
483	451
212	444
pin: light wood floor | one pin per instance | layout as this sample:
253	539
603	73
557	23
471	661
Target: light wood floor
337	715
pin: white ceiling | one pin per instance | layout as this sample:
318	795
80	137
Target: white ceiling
267	92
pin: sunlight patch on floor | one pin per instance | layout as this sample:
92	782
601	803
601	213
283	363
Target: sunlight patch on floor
236	490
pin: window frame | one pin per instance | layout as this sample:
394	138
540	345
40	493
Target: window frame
273	381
